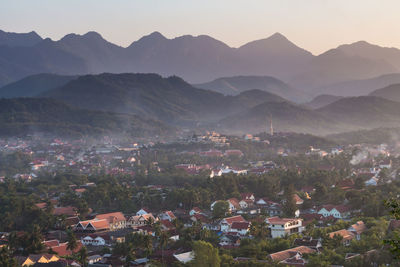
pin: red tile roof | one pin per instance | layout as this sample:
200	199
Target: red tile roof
200	217
234	202
62	250
69	211
233	219
240	225
246	195
340	208
167	224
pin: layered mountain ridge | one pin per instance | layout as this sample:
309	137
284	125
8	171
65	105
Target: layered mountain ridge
197	59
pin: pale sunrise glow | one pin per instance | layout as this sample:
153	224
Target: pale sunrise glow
313	24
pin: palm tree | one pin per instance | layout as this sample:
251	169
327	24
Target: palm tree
82	256
157	229
148	244
130	254
72	242
150	221
163	242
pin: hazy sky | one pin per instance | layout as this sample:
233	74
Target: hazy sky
315	25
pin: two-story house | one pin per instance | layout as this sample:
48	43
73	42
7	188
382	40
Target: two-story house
116	220
240	228
226	223
141	220
281	227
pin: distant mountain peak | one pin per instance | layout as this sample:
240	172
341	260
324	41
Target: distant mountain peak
362	42
358	44
276	43
278	36
33	33
19	39
91	35
152	38
154	35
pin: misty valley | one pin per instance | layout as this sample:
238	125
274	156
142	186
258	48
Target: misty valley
189	152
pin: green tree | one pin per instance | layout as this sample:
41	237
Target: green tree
205	255
320	192
289	206
6	258
33	241
394	240
226	260
220	209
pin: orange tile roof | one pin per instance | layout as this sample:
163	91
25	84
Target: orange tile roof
233	219
285	254
112	217
97	224
345	234
62	250
298	199
100	224
359	227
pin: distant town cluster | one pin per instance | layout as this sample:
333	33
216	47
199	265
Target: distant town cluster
281	199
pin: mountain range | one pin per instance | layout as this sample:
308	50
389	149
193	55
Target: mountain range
237	84
359	87
391	92
322	100
197	59
22	116
19	39
34	85
172	101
